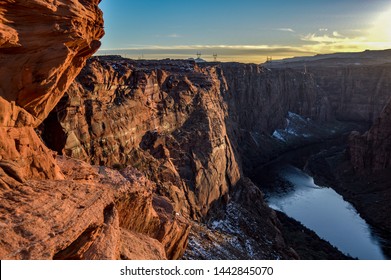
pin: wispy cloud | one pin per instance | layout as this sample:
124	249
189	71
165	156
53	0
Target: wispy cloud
286	30
337	42
173	35
336	34
335	37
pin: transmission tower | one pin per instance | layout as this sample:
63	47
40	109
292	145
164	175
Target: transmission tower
198	55
215	57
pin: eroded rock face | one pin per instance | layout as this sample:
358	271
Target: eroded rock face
186	126
44	45
86	216
371	151
259	98
258	101
358	85
165	118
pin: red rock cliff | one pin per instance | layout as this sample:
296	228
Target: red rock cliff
44	44
166	118
59	208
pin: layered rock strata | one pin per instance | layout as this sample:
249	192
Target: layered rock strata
94	213
165	118
183	125
357	84
44	44
55	207
187	126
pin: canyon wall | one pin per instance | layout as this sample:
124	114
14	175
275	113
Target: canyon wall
259	100
191	128
357	84
165	118
186	126
358	87
356	92
371	151
131	154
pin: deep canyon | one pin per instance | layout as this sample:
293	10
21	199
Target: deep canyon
110	158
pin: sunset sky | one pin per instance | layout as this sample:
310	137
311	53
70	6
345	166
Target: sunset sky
245	30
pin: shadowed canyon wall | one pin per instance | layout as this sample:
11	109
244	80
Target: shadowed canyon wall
371	151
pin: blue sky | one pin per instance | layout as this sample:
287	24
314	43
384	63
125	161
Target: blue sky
245	30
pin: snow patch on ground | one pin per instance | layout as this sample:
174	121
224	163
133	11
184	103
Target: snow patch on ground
277	135
296	126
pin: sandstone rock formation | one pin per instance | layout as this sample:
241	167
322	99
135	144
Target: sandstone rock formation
86	216
165	118
187	126
55	207
44	44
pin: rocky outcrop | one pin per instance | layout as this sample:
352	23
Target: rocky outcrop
372	150
88	215
44	52
44	44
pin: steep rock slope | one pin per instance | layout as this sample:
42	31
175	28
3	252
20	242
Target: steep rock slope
59	208
358	85
185	125
372	150
165	118
44	45
94	213
259	101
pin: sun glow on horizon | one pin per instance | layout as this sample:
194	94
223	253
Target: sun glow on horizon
381	30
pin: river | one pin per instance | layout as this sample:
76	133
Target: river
325	212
